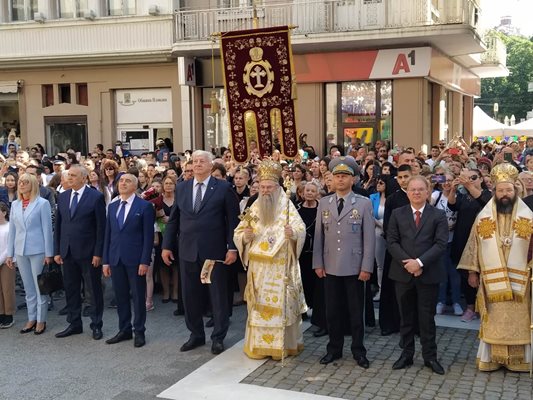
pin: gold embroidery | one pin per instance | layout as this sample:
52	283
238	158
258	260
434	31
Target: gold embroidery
523	229
486	228
267	337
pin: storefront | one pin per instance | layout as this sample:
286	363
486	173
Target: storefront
9	111
143	116
410	96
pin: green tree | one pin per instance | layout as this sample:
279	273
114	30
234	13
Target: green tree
511	92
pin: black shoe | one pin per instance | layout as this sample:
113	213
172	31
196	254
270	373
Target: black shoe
435	366
192	344
165	301
178	312
388	332
217	347
112	304
2	318
139	341
362	361
321	332
36	332
71	330
329	358
63	311
402	362
97	333
120	337
8	322
27	330
210	323
305	317
87	311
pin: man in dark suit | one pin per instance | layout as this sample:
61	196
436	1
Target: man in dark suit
79	241
529	201
203	219
129	239
417	237
389	316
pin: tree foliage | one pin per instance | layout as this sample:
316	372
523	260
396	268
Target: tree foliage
511	92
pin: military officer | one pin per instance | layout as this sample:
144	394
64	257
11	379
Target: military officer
343	255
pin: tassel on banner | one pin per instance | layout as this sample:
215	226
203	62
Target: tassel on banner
294	93
215	105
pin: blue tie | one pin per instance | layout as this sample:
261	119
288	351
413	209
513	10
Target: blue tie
121	214
74	204
198	198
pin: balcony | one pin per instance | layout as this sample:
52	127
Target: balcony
494	60
342	24
103	41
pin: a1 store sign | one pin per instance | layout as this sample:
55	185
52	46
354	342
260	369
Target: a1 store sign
402	63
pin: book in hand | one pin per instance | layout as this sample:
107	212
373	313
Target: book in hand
205	274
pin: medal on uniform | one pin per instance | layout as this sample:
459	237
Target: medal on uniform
354	218
325	218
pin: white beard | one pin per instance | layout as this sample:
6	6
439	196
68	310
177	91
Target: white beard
268	205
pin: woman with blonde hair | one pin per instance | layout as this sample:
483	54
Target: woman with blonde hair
30	240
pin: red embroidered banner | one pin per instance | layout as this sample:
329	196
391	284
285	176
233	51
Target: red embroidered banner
259	81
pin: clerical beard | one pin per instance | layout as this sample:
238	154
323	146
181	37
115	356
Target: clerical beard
505	204
268	204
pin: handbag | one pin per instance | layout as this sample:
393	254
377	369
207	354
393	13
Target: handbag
51	279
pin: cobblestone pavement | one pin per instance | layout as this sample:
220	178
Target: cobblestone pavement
344	379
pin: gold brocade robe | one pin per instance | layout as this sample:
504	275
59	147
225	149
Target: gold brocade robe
266	333
504	332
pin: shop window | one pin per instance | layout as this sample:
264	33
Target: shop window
48	95
64	92
22	10
120	7
63	133
81	94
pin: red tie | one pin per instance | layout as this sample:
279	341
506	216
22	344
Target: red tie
417	218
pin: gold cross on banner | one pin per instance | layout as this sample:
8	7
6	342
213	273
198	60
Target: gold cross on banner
247	217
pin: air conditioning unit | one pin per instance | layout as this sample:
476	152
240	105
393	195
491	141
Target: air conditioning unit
154	10
39	17
89	15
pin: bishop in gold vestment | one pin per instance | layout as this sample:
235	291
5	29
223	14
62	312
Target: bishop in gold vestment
269	244
496	258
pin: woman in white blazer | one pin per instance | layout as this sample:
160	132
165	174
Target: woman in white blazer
30	241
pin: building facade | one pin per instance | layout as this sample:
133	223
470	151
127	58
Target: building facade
80	72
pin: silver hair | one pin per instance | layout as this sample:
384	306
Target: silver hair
64	173
80	168
133	178
268	204
205	154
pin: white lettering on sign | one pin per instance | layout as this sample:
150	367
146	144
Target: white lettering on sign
401	63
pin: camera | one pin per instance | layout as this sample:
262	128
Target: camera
438	179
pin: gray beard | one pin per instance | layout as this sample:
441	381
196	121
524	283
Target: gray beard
268	207
506	208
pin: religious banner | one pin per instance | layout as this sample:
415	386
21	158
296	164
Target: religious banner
260	84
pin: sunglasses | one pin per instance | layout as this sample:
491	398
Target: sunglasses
473	178
381	183
110	169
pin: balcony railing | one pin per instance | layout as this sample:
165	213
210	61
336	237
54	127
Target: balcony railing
326	16
496	51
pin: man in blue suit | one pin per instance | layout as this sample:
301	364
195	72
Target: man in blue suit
78	245
202	221
129	239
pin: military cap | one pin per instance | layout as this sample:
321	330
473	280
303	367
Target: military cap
344	165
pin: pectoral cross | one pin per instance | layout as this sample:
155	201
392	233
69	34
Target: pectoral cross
247	217
258	73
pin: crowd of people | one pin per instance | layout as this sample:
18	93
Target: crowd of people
151	221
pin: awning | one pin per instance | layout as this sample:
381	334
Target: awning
8	87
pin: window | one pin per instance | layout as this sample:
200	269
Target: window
72	8
82	97
236	3
63	133
22	10
48	95
120	7
64	92
216	126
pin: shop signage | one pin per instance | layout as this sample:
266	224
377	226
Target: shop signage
144	105
401	63
186	71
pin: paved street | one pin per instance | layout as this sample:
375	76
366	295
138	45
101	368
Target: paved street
43	367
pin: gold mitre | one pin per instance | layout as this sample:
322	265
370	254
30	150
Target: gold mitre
504	172
269	170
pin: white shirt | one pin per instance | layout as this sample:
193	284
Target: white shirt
80	193
129	202
4	232
195	188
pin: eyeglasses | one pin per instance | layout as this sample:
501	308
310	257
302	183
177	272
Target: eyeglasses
110	169
416	190
381	183
24	182
473	178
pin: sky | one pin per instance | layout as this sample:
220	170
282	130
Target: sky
521	12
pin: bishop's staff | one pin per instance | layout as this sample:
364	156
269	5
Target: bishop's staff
287	182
